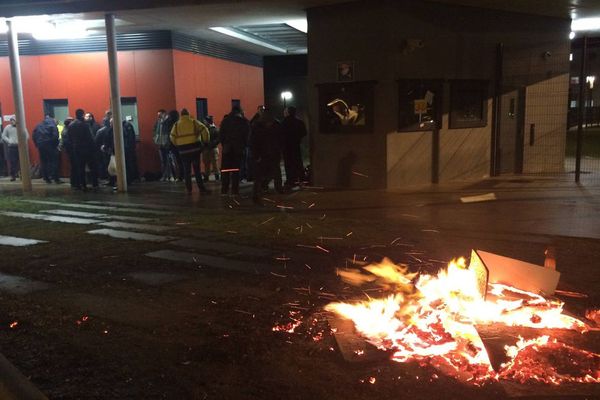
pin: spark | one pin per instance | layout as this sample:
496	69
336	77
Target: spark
244	312
267	221
309	225
312	205
230	170
307	266
349	234
13	324
278	275
285	207
322	249
430	230
360	174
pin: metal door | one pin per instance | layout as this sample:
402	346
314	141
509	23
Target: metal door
510	140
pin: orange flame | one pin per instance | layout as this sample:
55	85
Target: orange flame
433	317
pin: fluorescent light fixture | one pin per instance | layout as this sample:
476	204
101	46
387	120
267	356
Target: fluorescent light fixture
66	30
41	28
585	24
239	35
298	24
287	95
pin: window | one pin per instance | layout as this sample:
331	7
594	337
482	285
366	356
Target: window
59	108
201	108
468	104
129	113
420	105
346	107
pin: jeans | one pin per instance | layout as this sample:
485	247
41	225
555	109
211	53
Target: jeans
13	160
49	163
81	159
165	162
230	172
192	161
210	158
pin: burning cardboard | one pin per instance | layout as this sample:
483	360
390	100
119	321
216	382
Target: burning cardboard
435	319
516	273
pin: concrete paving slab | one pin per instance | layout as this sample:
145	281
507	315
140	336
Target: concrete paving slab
128	218
18	242
52	218
156	278
73	213
19	285
208	261
83	214
97	207
132	205
72	205
130	235
227	249
137	227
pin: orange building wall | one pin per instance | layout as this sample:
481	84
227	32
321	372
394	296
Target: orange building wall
219	81
156	78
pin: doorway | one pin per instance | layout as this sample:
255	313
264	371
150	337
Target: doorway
201	109
511	132
130	113
59	108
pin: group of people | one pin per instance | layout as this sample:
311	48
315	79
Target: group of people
250	149
89	147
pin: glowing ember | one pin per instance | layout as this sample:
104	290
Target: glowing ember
551	362
432	318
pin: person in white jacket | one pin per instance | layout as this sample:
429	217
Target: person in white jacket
11	140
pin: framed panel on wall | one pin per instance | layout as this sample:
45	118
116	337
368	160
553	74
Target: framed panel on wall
420	104
346	107
468	103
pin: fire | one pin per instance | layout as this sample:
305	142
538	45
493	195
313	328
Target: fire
432	318
528	362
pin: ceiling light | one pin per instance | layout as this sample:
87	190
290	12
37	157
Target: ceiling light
572	35
239	35
298	24
585	24
54	31
287	95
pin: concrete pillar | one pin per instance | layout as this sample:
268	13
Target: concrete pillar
15	73
115	101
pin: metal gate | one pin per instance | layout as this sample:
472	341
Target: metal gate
536	111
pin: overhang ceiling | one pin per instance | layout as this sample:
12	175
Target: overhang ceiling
262	18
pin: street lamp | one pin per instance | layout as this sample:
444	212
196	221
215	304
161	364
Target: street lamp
287	95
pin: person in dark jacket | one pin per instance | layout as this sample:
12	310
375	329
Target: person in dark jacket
91	121
174	156
130	149
67	146
234	132
210	152
128	143
294	131
265	145
84	148
46	139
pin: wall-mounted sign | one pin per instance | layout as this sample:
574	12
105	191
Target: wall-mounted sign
7	118
345	71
